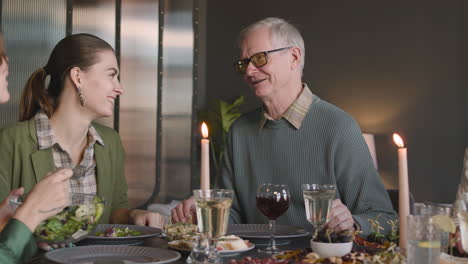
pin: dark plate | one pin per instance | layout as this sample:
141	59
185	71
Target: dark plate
112	254
259	234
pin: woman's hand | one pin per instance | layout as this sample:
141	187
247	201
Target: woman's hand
6	211
47	198
184	212
147	218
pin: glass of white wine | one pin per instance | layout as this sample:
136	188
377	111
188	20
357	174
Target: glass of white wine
318	200
462	213
212	218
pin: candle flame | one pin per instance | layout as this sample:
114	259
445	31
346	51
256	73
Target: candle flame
204	130
398	141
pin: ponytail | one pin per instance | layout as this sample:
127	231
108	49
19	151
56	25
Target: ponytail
35	97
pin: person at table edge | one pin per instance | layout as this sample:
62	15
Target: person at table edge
57	129
295	138
47	198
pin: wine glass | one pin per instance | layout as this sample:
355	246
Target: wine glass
318	200
272	201
212	218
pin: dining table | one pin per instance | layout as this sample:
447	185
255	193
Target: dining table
160	242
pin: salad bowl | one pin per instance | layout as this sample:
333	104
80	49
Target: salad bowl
73	223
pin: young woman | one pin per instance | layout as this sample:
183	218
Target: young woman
57	129
47	198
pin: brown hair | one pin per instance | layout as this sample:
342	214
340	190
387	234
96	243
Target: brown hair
78	50
3	55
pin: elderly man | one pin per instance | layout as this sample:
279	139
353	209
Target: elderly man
295	138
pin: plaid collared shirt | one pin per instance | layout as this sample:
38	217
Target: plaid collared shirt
296	112
84	174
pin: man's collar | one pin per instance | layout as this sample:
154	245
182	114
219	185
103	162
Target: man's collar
296	112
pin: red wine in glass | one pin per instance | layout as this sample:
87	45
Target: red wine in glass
272	201
273	207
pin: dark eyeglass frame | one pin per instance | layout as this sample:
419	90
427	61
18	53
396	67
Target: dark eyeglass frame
241	65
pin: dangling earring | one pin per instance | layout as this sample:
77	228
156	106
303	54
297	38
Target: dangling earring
80	96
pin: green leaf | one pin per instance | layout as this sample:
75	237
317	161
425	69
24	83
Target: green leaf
229	112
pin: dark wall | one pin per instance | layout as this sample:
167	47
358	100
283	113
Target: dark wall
395	66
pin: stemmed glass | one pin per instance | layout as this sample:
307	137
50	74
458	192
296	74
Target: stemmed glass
462	213
212	218
318	202
273	201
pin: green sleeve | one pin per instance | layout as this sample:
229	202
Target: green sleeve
227	180
16	243
120	198
6	163
360	187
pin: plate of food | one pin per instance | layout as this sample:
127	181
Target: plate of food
182	236
227	245
180	231
111	234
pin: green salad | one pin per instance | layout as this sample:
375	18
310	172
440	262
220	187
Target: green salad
118	232
72	223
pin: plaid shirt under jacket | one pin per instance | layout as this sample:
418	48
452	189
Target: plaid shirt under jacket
84	174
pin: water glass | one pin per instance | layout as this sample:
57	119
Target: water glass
432	209
423	240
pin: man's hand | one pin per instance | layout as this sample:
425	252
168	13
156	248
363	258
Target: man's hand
340	217
185	211
147	218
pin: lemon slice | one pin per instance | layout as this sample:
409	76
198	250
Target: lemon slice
429	244
444	222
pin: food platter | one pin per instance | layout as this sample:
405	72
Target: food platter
185	248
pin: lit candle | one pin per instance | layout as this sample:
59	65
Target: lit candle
205	159
403	194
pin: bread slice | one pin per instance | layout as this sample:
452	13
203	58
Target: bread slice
232	243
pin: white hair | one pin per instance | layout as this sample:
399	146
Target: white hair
281	33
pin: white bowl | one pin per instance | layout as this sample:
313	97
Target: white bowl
326	250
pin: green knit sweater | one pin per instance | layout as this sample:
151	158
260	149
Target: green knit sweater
328	148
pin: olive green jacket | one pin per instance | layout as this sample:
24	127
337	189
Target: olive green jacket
22	164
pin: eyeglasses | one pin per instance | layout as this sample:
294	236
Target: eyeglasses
258	60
